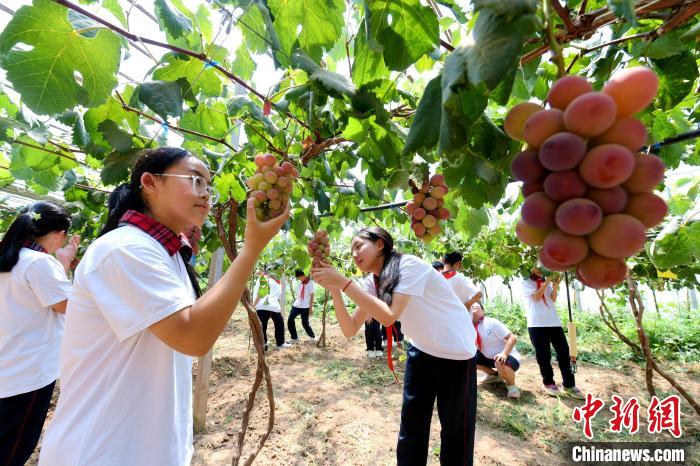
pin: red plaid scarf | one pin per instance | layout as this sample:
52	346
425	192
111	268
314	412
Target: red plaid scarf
540	283
164	235
478	337
33	245
389	334
449	274
303	286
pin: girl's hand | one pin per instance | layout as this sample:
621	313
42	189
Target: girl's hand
257	233
67	253
328	277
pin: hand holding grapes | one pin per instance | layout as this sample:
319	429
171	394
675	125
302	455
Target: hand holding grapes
328	277
259	233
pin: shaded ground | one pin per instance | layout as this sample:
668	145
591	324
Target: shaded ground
336	407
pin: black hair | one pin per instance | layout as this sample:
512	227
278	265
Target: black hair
437	265
34	221
451	258
299	273
389	275
128	195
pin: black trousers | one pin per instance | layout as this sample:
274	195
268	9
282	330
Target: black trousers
398	335
21	420
453	384
291	325
277	319
373	335
542	338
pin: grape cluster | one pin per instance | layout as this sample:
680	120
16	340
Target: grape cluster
588	195
271	185
426	209
319	248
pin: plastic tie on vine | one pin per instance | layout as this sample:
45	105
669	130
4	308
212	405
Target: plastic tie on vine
166	128
210	64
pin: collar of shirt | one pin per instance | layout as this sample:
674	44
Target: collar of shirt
34	246
164	235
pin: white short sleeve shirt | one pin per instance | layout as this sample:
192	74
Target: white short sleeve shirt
434	317
539	312
493	335
463	287
30	331
126	397
305	301
271	302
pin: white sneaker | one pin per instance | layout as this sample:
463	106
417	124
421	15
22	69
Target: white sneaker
370	354
284	345
490	378
378	354
294	340
513	391
313	338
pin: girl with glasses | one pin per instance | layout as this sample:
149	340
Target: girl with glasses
137	315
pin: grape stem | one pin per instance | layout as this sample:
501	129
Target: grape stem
554	45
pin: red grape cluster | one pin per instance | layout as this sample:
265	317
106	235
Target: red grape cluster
426	209
319	248
588	195
271	185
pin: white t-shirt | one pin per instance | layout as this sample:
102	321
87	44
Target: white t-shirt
493	338
126	397
271	302
30	331
304	303
463	287
434	317
538	312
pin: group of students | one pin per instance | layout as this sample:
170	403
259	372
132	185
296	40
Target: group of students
134	316
268	303
496	354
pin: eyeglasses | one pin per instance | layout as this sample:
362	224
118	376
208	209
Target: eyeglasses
200	186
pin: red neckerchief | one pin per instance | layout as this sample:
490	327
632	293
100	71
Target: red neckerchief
156	230
449	274
270	277
303	285
389	334
478	337
34	246
540	282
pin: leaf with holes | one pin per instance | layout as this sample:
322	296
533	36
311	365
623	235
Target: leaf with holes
61	69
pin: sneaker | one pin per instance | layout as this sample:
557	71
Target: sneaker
552	390
284	345
379	354
513	391
574	392
490	378
293	340
313	338
370	354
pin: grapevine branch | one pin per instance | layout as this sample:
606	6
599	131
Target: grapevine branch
322	338
637	306
164	123
586	24
49	151
393	205
228	240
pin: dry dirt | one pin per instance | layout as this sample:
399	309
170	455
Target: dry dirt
336	407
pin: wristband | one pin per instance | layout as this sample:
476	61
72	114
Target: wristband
346	285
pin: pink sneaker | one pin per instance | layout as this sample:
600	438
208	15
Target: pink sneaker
552	390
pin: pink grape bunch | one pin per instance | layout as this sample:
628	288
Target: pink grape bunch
271	186
319	248
427	207
589	194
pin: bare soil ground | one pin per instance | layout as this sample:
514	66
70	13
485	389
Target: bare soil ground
336	407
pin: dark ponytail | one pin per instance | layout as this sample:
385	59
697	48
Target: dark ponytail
389	275
34	221
128	195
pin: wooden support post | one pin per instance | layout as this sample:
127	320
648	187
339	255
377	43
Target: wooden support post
201	383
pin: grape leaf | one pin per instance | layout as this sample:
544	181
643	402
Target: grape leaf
63	69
